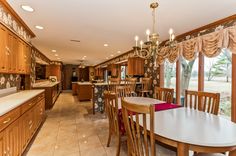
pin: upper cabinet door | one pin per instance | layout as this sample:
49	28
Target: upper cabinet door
4	50
11	58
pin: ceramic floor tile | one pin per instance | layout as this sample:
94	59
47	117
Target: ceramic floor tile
97	151
72	130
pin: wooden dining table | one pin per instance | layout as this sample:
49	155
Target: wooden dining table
189	129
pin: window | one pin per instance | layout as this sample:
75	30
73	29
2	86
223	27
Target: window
170	75
189	75
123	72
217	78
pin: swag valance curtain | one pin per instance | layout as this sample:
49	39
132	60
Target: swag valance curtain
209	45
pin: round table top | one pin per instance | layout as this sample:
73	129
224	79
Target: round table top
194	127
140	101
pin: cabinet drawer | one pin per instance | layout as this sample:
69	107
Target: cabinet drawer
28	105
40	97
8	118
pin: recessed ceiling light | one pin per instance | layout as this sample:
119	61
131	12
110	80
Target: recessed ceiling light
39	27
27	8
54	51
112	55
85	56
105	45
118	52
107	58
58	58
56	54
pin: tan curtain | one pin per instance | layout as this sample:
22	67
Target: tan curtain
160	60
211	44
230	39
189	48
174	54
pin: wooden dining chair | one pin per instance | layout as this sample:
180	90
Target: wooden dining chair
131	82
138	139
146	85
202	101
113	83
164	94
111	102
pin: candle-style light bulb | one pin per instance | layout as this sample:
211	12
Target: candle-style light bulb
172	37
148	34
157	42
171	31
141	44
136	40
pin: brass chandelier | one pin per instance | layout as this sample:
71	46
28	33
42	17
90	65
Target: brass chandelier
150	48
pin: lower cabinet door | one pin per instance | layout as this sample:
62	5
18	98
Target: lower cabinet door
12	134
25	132
2	140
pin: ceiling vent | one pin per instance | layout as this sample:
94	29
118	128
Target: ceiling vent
75	41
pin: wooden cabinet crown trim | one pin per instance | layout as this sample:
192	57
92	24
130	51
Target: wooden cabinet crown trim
17	17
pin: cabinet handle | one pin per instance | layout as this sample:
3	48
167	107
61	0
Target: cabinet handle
30	127
30	122
5	153
6	121
30	104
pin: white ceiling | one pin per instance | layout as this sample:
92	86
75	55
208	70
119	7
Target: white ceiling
116	22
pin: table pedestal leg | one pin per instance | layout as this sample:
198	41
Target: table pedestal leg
232	153
182	150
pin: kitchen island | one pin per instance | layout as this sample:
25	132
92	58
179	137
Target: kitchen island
84	91
52	91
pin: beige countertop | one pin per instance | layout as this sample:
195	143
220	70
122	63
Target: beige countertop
101	84
45	84
12	101
84	83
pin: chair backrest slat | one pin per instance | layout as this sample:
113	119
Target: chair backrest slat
111	107
164	94
113	83
203	101
146	84
137	135
131	82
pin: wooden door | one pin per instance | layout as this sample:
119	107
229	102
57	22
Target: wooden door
12	134
15	55
10	52
2	140
3	49
25	133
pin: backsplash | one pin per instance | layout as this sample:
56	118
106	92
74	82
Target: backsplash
10	80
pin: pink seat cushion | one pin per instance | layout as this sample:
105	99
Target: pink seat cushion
165	106
158	107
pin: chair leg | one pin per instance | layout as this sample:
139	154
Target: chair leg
118	146
109	138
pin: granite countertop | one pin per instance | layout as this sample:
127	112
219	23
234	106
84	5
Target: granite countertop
105	83
12	101
45	84
84	83
101	84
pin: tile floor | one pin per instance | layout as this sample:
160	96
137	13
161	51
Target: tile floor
72	130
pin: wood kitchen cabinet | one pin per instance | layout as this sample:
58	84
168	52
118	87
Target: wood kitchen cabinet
99	72
135	66
3	49
15	54
19	126
12	134
114	68
2	144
